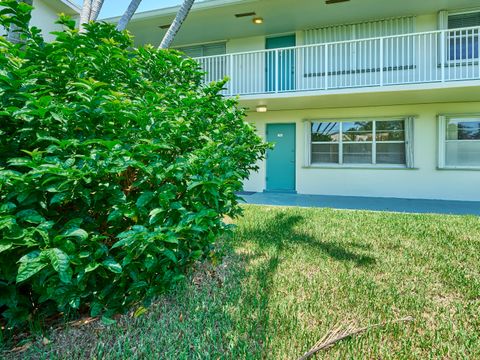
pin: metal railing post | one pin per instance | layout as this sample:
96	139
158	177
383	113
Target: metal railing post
230	71
442	54
381	61
276	70
326	66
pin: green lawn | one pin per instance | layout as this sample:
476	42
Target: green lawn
291	275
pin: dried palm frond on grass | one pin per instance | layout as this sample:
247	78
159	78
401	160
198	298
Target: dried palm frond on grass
342	332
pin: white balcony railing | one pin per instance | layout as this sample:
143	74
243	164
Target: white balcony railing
436	56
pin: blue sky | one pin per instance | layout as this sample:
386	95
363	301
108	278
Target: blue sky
117	7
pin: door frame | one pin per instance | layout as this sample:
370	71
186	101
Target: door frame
294	191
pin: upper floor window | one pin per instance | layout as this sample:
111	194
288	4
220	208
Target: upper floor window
460	141
214	66
204	50
348	55
364	142
463	44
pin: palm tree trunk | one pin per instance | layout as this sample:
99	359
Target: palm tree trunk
14	31
95	9
85	14
125	19
176	24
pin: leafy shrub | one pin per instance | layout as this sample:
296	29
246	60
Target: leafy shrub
117	166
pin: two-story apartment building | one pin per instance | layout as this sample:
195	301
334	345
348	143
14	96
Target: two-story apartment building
361	97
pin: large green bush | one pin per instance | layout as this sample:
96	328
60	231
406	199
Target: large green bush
117	166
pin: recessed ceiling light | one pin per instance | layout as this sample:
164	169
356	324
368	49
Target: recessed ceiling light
257	20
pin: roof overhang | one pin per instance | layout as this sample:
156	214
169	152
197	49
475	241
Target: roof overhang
63	6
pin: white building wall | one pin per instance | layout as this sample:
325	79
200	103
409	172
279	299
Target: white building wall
423	182
43	17
427	22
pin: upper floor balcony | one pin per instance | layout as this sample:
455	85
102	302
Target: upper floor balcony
407	59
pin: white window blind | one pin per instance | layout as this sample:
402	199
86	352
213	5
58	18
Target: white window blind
364	30
204	50
365	56
409	142
456	21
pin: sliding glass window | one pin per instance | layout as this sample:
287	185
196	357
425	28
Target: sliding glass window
365	142
461	142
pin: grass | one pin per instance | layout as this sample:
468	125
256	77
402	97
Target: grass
291	275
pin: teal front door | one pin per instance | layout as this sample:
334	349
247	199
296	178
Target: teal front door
281	159
280	64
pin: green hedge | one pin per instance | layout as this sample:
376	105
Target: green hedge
117	166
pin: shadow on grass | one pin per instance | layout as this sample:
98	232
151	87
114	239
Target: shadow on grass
280	233
274	239
222	311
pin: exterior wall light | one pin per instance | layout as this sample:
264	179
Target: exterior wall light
262	108
257	20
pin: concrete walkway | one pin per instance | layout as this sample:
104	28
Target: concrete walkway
365	203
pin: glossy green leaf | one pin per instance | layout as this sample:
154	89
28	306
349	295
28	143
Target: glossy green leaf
91	267
61	263
170	254
144	199
112	265
30	265
78	233
31	216
5	247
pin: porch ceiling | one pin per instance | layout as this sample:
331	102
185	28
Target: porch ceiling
464	91
214	20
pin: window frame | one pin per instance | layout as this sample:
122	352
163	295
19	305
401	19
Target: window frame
374	164
442	141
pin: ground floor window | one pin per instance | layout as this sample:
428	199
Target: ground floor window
361	142
460	141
